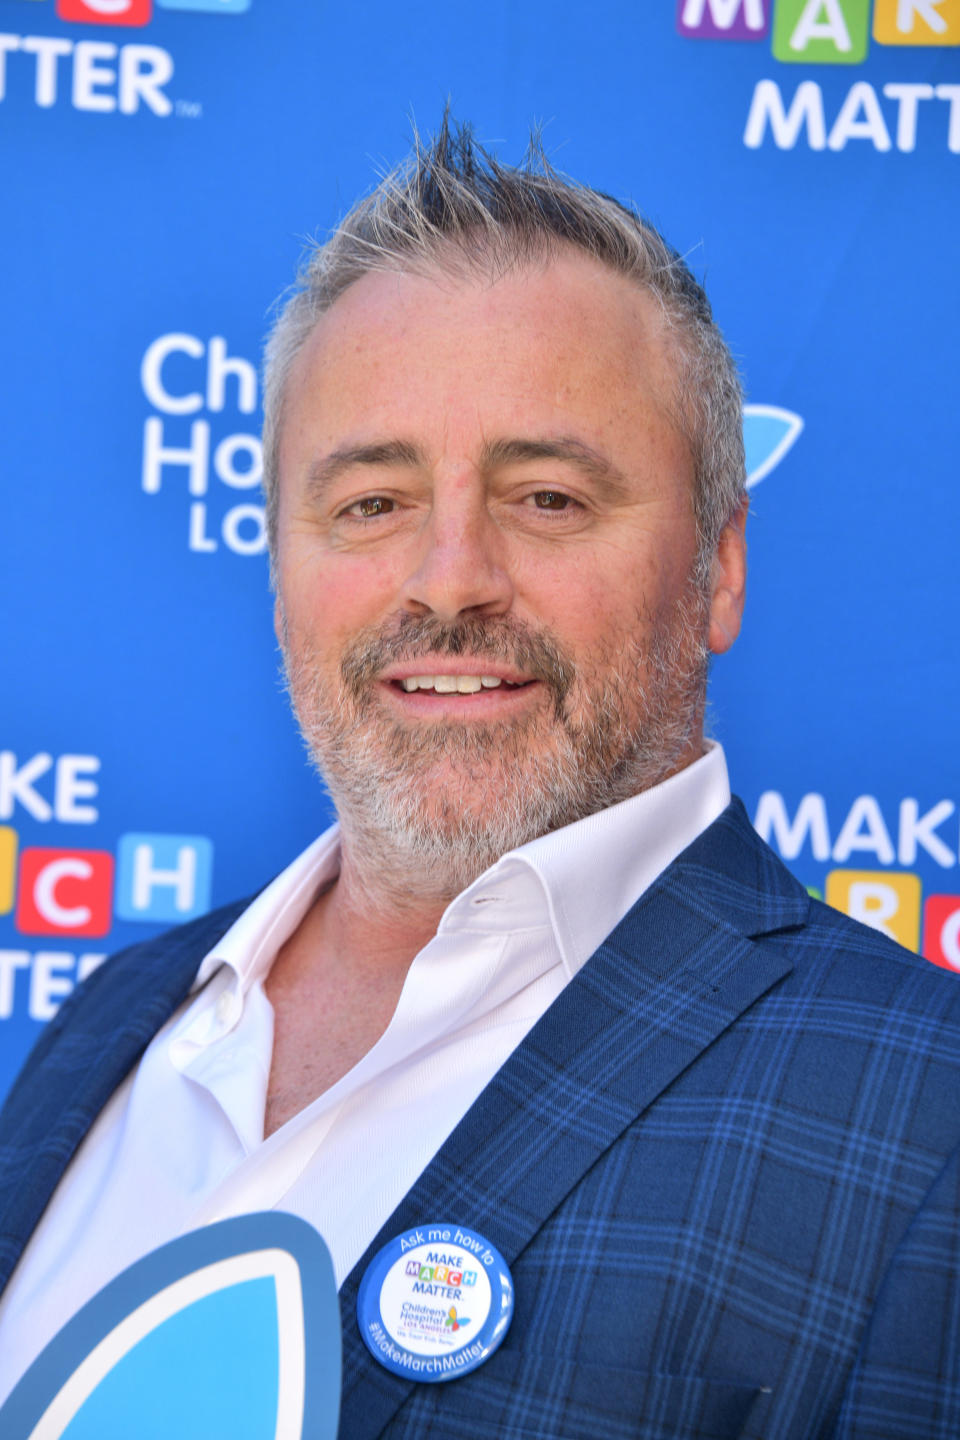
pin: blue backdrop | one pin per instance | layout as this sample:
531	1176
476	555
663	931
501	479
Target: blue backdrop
164	161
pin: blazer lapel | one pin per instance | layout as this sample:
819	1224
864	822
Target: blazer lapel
679	969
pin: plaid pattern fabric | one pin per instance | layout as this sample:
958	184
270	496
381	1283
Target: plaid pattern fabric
722	1168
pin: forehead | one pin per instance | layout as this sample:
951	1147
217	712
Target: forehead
566	343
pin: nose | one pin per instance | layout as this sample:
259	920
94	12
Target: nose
460	566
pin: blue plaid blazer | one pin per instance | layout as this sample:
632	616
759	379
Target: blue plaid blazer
723	1169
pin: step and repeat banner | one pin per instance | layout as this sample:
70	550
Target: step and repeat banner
164	162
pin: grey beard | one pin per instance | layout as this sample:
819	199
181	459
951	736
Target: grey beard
606	737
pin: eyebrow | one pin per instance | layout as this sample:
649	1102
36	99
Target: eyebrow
610	481
494	455
387	452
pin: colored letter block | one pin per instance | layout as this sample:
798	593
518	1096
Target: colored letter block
941	930
887	900
106	12
64	892
917	22
163	877
821	32
8	867
723	19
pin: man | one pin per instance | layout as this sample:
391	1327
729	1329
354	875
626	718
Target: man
544	980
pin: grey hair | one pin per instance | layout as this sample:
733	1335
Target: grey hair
453	206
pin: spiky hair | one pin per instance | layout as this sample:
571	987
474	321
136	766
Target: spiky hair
453	206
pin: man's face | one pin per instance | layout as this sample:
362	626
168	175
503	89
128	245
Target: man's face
484	554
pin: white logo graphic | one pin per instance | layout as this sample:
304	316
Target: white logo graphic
769	432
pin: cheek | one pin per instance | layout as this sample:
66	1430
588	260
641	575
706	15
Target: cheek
335	594
600	619
584	611
589	595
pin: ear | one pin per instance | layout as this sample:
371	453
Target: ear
728	582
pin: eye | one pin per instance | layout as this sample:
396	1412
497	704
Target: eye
551	500
370	507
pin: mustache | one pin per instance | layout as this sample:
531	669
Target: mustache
503	638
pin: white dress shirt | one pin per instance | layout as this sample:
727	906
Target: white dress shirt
180	1143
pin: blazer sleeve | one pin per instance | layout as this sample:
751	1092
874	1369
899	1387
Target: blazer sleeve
906	1378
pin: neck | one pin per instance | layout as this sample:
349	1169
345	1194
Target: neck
403	873
334	986
378	908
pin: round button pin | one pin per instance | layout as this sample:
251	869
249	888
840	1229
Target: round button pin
435	1302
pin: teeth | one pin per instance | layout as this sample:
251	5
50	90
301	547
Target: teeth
452	684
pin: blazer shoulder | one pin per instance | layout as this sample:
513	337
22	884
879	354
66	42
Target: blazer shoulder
161	970
731	872
888	970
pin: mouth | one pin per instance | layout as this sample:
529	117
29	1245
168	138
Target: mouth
458	684
469	689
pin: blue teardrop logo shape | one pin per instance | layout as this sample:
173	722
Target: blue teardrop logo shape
209	1335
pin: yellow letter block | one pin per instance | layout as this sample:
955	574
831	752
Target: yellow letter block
8	867
887	900
917	22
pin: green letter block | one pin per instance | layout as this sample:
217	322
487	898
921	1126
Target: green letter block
821	32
